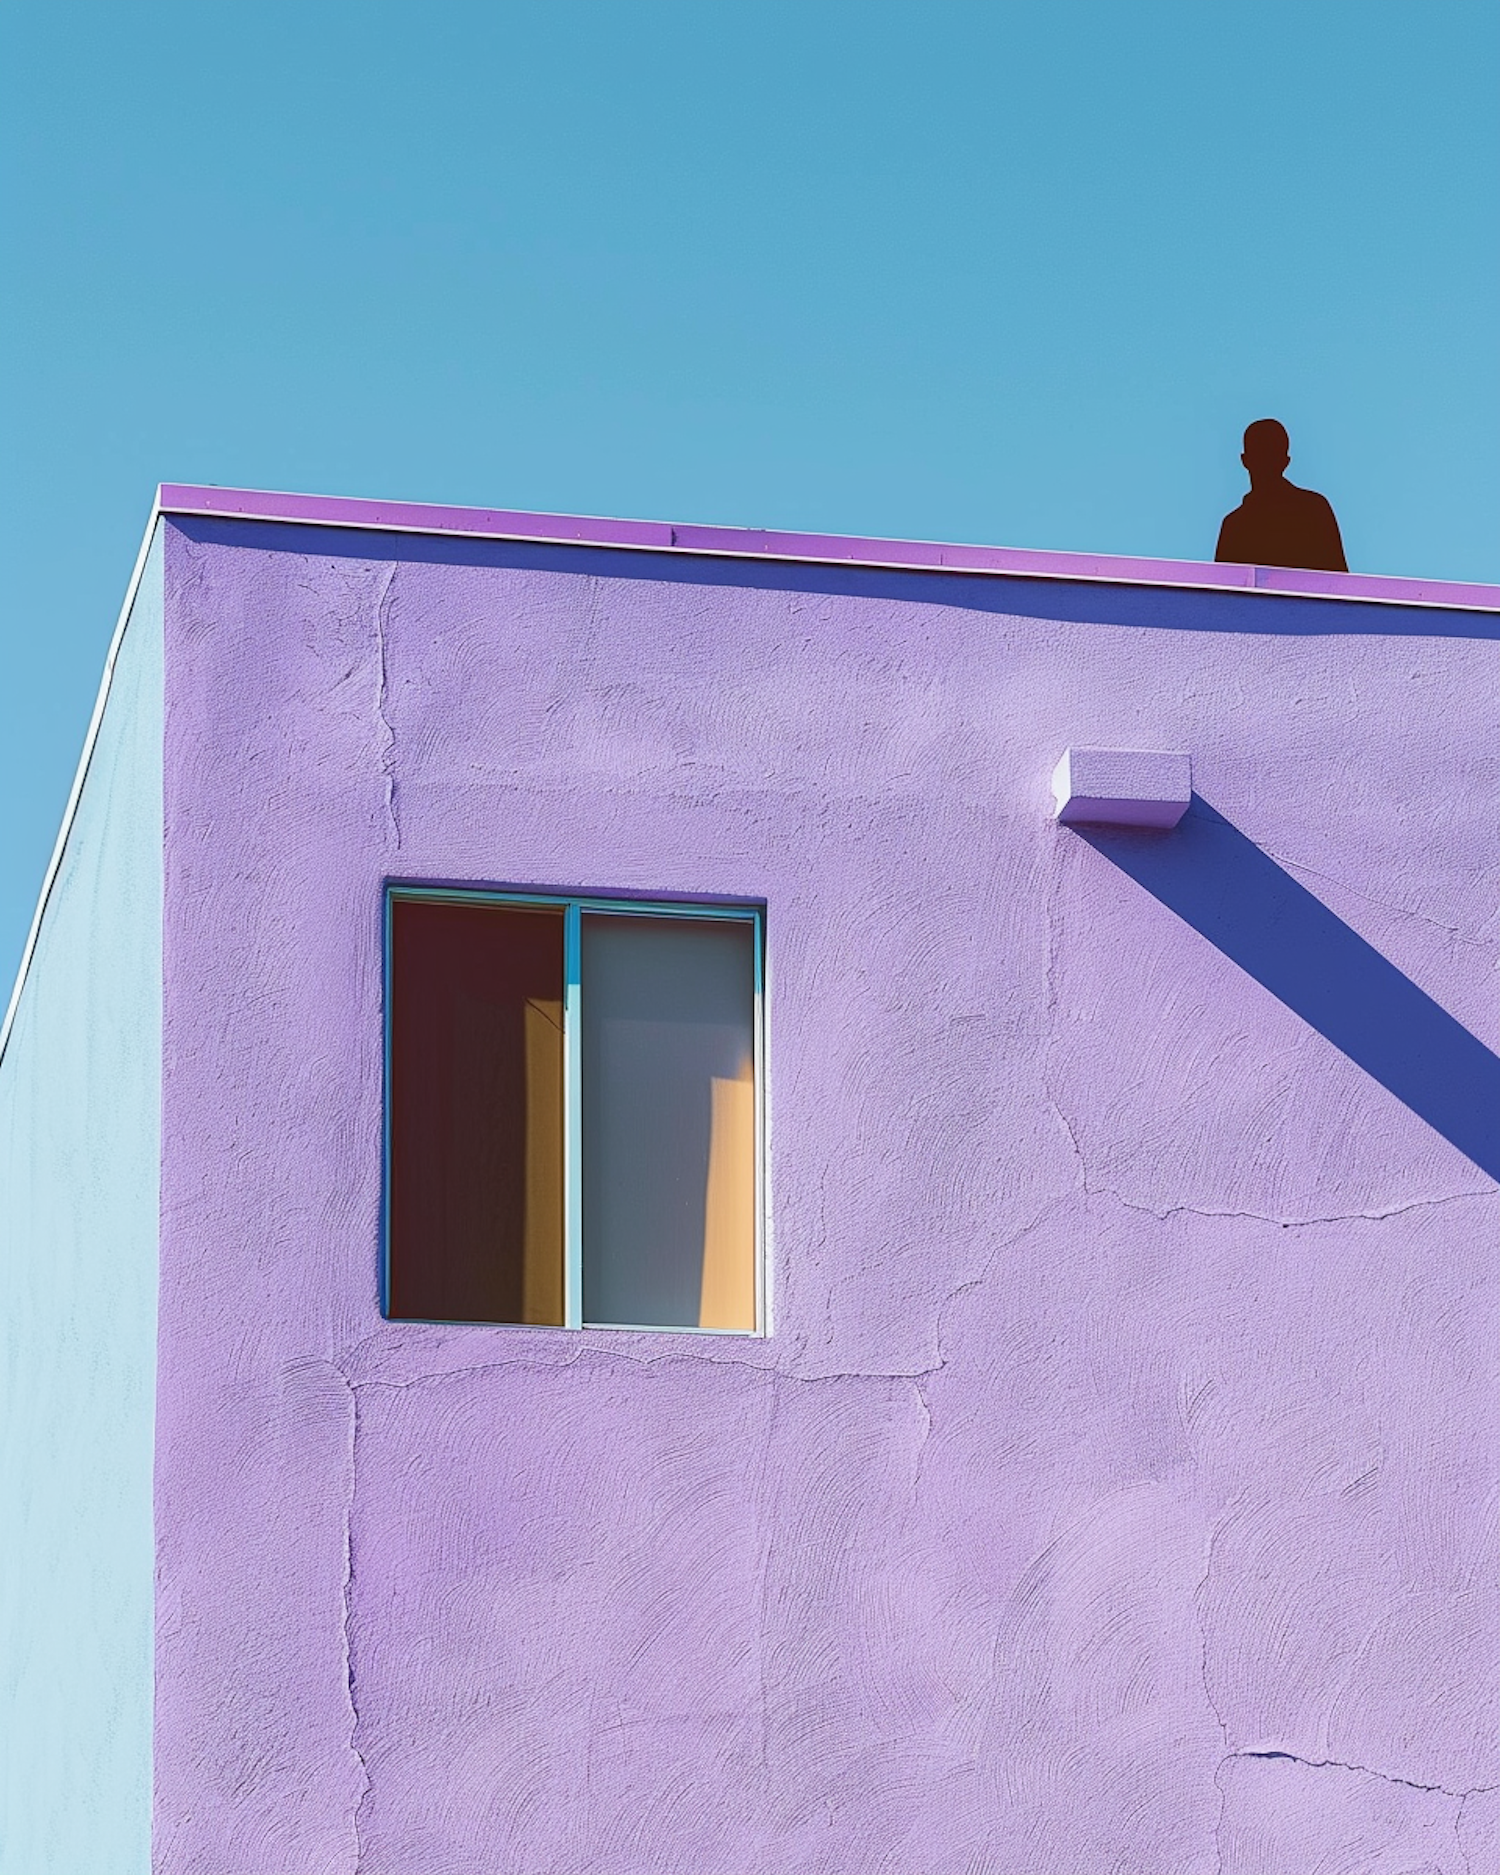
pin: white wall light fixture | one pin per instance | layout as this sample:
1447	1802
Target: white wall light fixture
1122	787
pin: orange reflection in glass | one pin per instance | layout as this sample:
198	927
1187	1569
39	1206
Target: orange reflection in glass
541	1255
729	1205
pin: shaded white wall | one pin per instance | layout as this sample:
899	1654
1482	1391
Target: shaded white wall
80	1136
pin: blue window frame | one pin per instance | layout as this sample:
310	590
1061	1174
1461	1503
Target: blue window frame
574	1130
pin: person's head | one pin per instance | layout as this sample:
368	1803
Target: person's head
1268	449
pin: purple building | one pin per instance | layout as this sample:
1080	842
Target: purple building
632	1247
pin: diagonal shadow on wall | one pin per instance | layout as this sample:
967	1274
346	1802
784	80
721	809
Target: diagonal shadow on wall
1219	882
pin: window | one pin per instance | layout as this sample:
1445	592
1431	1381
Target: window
572	1112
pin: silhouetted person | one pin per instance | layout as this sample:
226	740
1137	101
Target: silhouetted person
1279	524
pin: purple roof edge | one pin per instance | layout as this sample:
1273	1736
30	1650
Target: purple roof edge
413	517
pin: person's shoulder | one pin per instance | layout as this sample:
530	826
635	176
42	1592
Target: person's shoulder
1233	535
1310	498
1237	517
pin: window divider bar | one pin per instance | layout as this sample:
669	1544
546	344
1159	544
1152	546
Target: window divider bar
573	1115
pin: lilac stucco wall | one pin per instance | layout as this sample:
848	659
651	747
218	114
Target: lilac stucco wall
1117	1488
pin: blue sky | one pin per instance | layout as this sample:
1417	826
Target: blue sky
1000	272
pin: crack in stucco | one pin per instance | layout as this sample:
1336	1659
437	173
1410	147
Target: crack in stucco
596	1351
1456	932
763	1590
1198	1595
186	574
1219	1820
977	1281
1161	1214
1292	1223
1082	1184
351	1677
441	1376
382	692
1460	1798
1208	1694
1050	972
1362	1770
918	1385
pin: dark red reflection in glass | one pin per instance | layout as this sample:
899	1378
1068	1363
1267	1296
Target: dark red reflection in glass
476	1112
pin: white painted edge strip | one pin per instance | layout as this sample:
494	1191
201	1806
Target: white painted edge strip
70	812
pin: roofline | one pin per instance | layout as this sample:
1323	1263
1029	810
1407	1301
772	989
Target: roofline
415	517
746	543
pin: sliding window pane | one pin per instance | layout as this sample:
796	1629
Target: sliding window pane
668	1122
476	1112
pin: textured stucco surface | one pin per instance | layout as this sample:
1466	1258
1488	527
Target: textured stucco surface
1117	1488
79	1156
